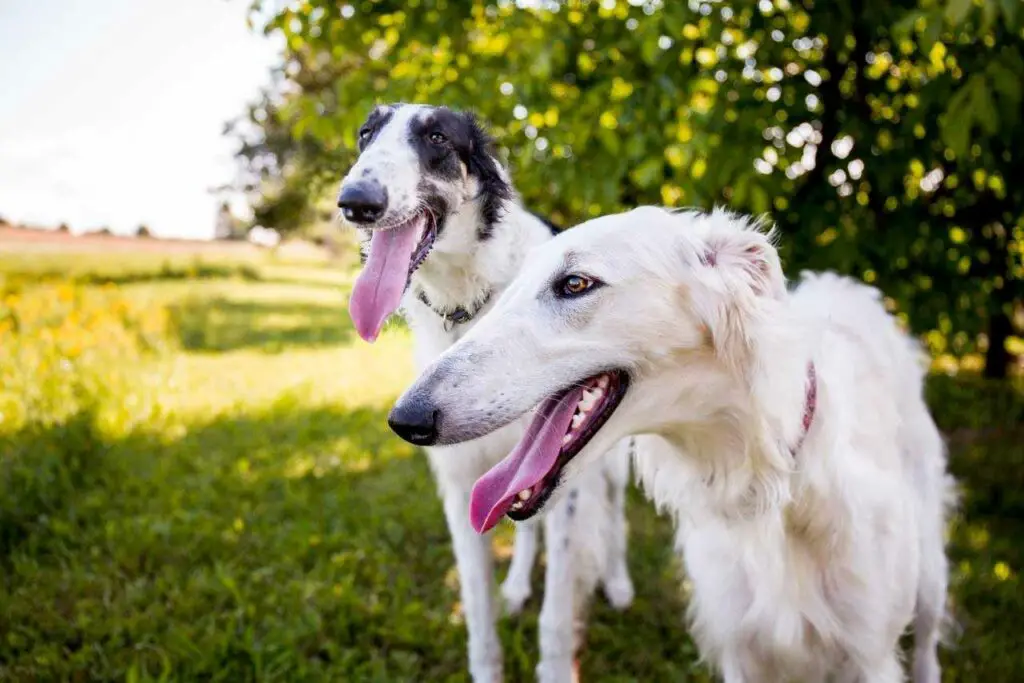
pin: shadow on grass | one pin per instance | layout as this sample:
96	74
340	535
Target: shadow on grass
221	324
986	553
308	544
295	544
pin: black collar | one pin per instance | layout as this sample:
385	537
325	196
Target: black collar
460	315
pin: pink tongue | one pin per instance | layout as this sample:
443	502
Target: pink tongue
379	288
529	462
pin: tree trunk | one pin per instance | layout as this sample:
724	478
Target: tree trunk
997	358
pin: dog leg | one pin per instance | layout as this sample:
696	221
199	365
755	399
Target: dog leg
516	589
557	614
888	670
937	495
617	584
475	563
930	611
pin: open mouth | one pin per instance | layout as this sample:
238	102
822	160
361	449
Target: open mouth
426	243
394	255
521	484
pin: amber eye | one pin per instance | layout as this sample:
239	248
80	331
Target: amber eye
573	285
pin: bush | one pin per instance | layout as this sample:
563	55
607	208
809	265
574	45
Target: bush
968	401
65	352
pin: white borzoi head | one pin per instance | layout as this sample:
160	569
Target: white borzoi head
642	322
418	165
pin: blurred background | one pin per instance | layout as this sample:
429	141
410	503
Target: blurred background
196	478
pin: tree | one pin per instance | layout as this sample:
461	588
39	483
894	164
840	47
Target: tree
878	135
143	232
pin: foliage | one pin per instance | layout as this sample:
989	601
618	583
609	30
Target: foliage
196	498
62	350
972	403
59	342
879	135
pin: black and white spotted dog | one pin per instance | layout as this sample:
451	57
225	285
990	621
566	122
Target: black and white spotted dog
443	233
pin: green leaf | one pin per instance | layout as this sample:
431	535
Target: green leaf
649	50
932	30
648	174
957	10
610	140
1010	9
983	107
1006	82
759	202
989	10
905	25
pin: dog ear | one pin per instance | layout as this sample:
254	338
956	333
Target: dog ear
482	163
747	258
749	279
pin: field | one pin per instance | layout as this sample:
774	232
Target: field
198	484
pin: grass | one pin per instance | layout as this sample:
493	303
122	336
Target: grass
199	484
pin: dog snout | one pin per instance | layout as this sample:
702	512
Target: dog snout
415	418
363	201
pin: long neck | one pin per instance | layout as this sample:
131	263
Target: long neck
738	430
469	263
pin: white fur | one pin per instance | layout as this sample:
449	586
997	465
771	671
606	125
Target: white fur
460	269
809	554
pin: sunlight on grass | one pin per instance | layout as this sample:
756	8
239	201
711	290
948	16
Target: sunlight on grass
200	484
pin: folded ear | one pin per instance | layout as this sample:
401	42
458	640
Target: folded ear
747	273
744	254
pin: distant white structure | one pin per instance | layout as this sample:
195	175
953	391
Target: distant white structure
224	228
264	237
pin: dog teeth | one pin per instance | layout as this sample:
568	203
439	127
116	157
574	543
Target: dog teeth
516	506
525	494
566	439
577	420
588	400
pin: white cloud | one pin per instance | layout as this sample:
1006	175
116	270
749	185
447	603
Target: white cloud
125	127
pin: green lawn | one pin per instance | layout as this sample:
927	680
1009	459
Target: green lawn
228	504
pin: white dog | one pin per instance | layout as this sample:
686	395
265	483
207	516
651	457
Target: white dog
806	475
443	235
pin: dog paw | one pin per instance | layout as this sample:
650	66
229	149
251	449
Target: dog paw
486	672
559	671
619	592
514	595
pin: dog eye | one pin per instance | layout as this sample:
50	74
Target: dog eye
363	134
438	138
573	285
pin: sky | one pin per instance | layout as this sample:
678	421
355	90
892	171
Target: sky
112	111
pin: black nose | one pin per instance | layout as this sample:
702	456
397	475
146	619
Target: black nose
415	420
363	201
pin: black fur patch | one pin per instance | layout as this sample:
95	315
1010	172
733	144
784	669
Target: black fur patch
463	143
551	226
377	119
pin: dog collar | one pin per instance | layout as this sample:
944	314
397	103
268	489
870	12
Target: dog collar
458	315
810	404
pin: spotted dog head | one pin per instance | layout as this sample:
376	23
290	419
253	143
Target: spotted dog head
418	166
